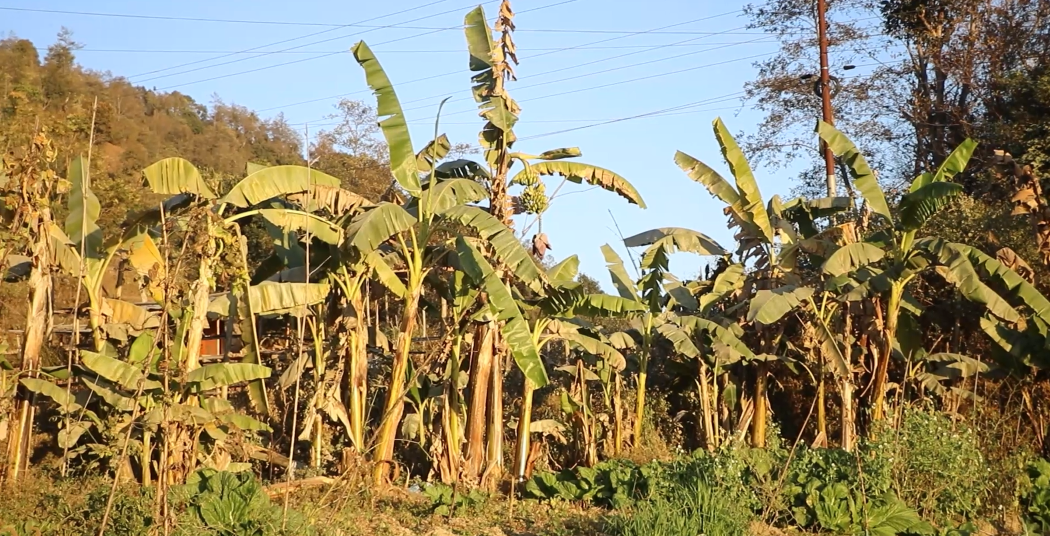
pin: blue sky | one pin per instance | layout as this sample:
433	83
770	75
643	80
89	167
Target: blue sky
554	89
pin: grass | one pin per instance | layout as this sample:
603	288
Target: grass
47	505
687	509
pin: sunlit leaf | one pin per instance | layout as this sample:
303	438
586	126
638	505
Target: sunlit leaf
392	121
578	173
710	179
848	258
172	176
673	239
314	226
495	108
505	245
434	151
377	225
623	283
607	306
445	194
127	376
84	210
750	197
271	298
565	270
679	338
217	375
277	181
768	306
66	402
515	329
332	199
916	208
863	177
725	283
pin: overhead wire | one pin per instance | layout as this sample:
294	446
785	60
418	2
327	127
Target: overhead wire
601	86
646	48
414	36
554	51
583	75
262	54
387	51
636	116
257	48
333	26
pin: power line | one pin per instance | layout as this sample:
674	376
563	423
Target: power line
326	24
263	54
457	72
544	121
602	86
648	77
632	117
420	51
197	62
171	18
576	77
563	2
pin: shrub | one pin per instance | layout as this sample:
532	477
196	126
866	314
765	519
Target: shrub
131	515
937	465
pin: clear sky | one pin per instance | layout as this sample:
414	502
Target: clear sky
579	77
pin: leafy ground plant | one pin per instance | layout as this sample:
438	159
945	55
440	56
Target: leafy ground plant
1036	499
611	484
234	504
446	500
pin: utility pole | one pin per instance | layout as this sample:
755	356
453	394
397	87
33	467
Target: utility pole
825	91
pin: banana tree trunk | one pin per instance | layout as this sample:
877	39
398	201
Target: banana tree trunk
849	420
590	444
643	373
617	415
706	416
494	434
450	417
144	460
639	407
822	419
394	407
38	329
758	423
357	368
524	433
95	321
480	380
889	337
199	304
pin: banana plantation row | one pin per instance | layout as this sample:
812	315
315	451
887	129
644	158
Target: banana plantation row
823	288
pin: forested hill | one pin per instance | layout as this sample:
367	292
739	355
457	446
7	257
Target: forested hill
135	126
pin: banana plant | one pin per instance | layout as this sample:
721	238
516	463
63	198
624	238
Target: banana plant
216	230
763	231
653	296
84	253
29	185
491	61
435	207
889	261
119	393
554	317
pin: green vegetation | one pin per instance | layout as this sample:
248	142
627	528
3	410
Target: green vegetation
215	338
